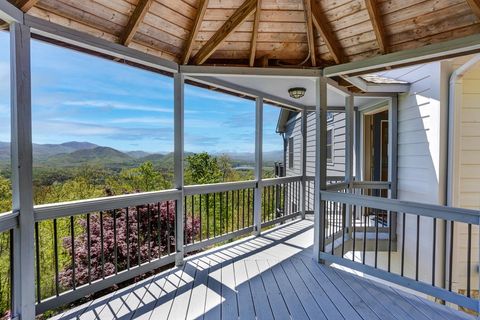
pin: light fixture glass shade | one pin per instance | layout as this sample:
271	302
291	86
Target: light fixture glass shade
297	92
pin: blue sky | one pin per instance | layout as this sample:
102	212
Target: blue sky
77	97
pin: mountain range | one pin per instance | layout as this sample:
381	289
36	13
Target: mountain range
74	153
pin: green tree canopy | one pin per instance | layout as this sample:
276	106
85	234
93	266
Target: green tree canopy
202	168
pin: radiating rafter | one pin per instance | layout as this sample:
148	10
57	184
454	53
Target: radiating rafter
475	6
134	22
378	28
320	22
237	18
253	42
202	8
310	36
25	5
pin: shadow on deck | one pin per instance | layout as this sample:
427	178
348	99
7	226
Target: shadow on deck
268	277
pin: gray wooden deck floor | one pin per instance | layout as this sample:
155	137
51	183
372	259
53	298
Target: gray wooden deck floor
268	277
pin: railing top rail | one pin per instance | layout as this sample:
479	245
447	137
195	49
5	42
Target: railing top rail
58	210
337	186
372	184
218	187
421	209
8	220
281	180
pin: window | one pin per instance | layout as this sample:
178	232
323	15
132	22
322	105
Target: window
329	145
290	153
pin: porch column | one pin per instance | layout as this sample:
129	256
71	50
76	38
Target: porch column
304	163
22	188
257	205
179	83
349	138
320	163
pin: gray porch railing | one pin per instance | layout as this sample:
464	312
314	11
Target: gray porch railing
8	223
426	270
90	245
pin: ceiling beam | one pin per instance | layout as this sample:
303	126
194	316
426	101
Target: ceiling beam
377	23
202	7
253	43
475	6
237	18
135	20
310	36
25	5
320	22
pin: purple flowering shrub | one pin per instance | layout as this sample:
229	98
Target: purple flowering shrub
151	234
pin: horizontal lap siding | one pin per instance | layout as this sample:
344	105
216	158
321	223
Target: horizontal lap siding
420	171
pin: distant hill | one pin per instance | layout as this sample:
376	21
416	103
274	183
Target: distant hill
75	153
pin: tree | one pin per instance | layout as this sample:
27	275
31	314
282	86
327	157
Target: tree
224	163
202	168
143	178
151	233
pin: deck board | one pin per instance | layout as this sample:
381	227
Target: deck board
267	277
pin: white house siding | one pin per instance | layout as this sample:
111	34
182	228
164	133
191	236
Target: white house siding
422	127
466	193
335	168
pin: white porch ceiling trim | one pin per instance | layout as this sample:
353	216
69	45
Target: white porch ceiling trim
10	13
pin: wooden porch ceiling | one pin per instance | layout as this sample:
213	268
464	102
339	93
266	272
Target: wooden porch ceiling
277	33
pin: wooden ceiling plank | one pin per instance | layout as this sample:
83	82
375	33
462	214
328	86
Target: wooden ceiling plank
253	43
238	17
310	36
25	5
325	31
202	8
475	5
378	28
135	20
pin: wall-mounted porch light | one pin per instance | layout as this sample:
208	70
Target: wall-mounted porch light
297	92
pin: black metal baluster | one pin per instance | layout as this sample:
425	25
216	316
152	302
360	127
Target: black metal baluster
450	262
469	259
248	207
138	237
364	212
208	215
344	206
324	204
417	252
193	216
226	210
159	228
102	245
200	215
389	240
376	237
167	225
333	234
72	239
221	209
149	234
263	204
37	252
115	246
55	253
185	204
403	244
89	250
354	229
233	207
127	221
214	215
243	208
238	209
434	249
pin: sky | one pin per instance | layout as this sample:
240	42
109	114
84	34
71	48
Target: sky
77	97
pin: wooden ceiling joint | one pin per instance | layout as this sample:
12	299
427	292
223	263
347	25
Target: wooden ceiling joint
134	21
310	35
237	18
377	23
475	6
25	5
253	42
320	22
202	8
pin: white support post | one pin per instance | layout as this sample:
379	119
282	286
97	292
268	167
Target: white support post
21	153
257	205
304	163
349	139
179	84
320	163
